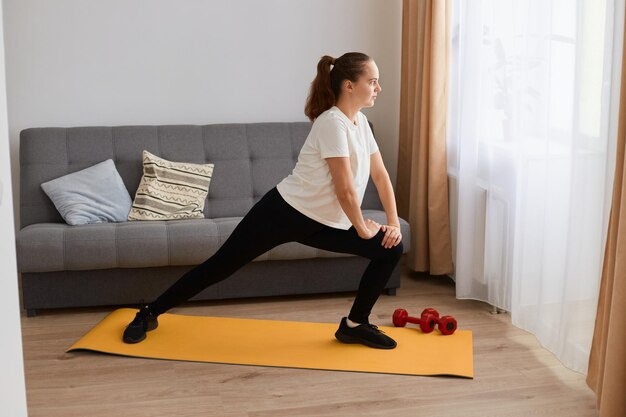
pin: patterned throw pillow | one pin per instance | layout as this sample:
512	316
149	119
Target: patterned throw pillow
170	190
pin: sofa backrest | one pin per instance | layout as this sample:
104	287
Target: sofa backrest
249	160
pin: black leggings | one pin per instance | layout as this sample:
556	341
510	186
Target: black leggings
272	222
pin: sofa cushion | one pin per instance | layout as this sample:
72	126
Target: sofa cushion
170	190
47	247
92	195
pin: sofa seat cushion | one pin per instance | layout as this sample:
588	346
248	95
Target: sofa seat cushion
47	247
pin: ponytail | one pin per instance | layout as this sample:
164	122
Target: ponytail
321	96
326	87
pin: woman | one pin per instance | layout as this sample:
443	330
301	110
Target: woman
317	205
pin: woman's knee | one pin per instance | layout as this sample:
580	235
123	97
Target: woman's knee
396	251
392	254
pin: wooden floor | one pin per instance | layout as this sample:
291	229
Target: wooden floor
514	375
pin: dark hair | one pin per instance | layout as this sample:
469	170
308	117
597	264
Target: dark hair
326	86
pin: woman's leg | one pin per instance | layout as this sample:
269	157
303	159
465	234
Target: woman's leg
373	281
268	224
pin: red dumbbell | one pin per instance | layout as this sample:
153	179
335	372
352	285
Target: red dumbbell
427	321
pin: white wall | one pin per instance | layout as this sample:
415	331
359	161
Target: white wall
12	392
87	62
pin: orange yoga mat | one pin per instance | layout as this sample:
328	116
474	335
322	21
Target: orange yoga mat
283	344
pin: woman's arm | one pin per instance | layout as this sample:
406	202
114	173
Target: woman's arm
381	180
344	188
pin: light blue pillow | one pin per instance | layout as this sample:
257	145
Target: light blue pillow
93	195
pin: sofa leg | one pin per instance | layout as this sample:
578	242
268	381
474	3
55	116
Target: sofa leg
31	312
390	291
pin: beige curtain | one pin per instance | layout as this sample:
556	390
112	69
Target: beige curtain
607	361
422	182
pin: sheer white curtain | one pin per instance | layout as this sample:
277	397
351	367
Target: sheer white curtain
528	161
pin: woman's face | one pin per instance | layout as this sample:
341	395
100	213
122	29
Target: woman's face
367	87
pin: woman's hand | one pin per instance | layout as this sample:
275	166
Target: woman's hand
371	230
392	236
380	177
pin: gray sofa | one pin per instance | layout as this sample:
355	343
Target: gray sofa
131	262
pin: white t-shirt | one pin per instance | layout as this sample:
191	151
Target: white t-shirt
310	189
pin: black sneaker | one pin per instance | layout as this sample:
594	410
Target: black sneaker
366	334
143	322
